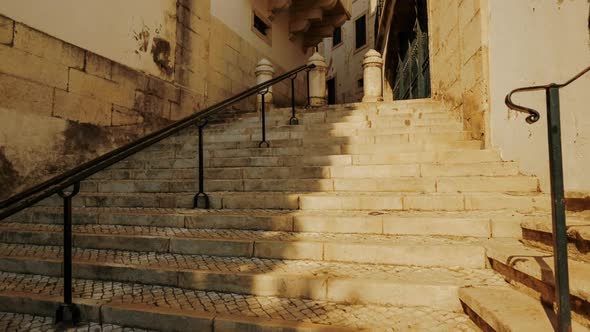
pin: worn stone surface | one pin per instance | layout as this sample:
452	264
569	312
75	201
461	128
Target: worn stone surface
319	312
24	323
6	30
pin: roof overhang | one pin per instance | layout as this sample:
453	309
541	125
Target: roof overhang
313	20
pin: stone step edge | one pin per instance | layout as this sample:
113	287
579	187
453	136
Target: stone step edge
356	145
498	224
502	308
527	278
326	250
440	127
441	295
538	233
152	317
471	227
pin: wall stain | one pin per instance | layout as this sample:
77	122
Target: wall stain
161	54
143	39
9	177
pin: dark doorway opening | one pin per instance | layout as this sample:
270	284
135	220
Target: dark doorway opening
408	64
331	84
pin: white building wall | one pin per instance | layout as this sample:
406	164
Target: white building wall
121	31
344	61
535	42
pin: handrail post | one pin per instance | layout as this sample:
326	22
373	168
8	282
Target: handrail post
562	293
263	110
293	121
68	314
201	200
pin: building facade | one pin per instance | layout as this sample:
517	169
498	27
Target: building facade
470	54
344	53
79	79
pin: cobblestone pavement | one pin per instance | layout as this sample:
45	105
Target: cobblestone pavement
12	322
232	234
434	275
384	318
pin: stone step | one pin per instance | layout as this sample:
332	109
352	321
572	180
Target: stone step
461	173
325	281
501	308
125	200
383	184
317	133
374	123
358	109
345	149
463	224
522	202
318	118
419	202
173	156
277	140
331	247
377	182
17	322
189	150
443	157
426	164
172	308
537	232
532	271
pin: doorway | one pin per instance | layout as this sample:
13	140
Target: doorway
331	85
407	63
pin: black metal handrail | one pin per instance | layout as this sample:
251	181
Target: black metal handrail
533	114
50	187
562	294
68	313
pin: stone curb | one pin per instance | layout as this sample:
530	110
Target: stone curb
323	288
151	317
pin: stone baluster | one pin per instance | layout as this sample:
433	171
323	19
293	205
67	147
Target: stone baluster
372	77
264	72
317	80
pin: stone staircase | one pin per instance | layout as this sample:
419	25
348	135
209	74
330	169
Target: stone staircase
364	216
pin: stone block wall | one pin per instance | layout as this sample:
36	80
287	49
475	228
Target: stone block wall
217	63
61	105
459	61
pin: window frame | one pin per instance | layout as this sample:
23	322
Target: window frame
266	38
334	45
365	15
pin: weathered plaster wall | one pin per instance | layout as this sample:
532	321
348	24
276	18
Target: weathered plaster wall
219	52
128	32
237	16
538	42
458	55
61	105
76	104
345	63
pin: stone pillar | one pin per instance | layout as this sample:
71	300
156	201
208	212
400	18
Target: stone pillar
317	80
264	72
372	77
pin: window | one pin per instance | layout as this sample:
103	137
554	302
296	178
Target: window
337	37
261	27
360	29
